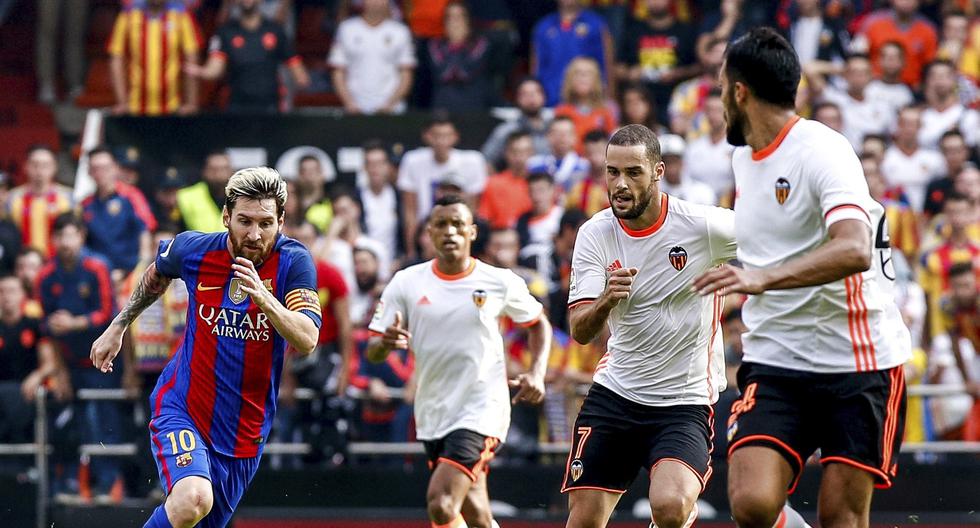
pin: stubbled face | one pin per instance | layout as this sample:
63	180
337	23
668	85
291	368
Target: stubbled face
41	167
734	115
253	226
452	231
631	179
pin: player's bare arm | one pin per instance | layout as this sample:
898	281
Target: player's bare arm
848	251
530	385
395	338
151	286
587	320
296	328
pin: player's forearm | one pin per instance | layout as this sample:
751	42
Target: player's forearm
117	73
586	321
295	327
833	261
151	286
539	342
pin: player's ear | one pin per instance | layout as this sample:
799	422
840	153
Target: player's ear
658	170
225	216
473	230
741	92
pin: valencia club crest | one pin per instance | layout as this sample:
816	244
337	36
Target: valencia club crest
677	257
782	190
479	298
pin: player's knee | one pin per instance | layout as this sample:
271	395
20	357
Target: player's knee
478	516
752	509
441	508
188	504
671	511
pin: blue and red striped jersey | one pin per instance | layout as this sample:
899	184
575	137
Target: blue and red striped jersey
225	374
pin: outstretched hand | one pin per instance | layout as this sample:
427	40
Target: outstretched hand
396	337
530	389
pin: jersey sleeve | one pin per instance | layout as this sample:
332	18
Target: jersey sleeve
301	292
588	278
170	255
838	181
391	301
338	53
519	305
721	234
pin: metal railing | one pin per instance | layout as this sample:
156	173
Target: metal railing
41	450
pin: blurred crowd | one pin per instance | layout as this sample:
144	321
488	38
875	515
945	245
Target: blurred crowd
899	79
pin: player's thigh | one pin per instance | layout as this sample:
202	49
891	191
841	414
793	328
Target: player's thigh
458	460
679	457
845	496
607	449
476	505
863	422
758	478
178	450
231	477
775	412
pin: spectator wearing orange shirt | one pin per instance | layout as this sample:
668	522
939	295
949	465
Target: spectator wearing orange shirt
901	23
506	196
583	99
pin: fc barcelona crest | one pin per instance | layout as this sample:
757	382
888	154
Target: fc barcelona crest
184	460
237	294
479	298
677	257
576	470
782	190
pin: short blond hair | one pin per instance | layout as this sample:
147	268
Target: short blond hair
256	183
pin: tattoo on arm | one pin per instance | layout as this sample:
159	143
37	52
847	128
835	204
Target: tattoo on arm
151	286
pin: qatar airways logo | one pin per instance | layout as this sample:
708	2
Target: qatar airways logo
236	325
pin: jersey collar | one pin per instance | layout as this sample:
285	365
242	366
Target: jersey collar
770	148
653	228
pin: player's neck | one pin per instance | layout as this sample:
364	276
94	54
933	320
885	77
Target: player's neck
766	126
453	267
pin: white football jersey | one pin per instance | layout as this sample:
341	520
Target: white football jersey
787	195
460	367
665	346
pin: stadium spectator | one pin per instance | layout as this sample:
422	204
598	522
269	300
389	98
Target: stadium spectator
503	249
459	64
10	240
30	361
278	11
638	107
539	225
506	198
554	263
907	164
590	195
347	227
117	216
956	153
672	153
861	114
659	51
961	47
686	109
943	110
529	98
200	204
384	417
708	158
76	294
961	321
903	224
27	268
888	87
829	114
164	204
563	163
34	205
311	195
151	82
957	247
72	16
381	214
250	50
560	37
876	145
815	37
583	99
901	23
421	169
373	60
369	286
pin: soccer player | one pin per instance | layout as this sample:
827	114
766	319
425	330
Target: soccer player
446	311
825	344
650	403
252	292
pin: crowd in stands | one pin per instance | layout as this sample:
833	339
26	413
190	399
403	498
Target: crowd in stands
900	79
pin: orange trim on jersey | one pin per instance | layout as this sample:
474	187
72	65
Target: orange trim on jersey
777	442
856	338
653	228
445	276
781	520
685	464
897	388
489	444
375	333
457	465
872	353
580	302
887	481
770	148
847	206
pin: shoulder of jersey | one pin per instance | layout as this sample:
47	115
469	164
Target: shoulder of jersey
411	271
677	206
600	222
196	240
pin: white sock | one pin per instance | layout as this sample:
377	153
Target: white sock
790	518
